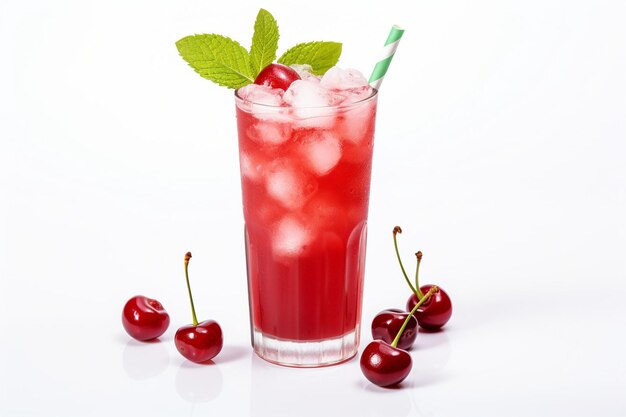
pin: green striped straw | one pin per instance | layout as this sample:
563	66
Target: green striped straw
390	49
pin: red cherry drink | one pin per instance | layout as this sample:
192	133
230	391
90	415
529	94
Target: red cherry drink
306	158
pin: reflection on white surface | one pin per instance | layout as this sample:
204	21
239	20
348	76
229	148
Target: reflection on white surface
385	401
321	391
231	353
428	340
143	360
198	383
432	351
430	354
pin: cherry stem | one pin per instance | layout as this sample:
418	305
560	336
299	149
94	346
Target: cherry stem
397	230
418	291
193	310
430	292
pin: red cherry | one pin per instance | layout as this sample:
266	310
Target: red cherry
198	342
277	76
201	342
387	324
434	313
144	318
385	365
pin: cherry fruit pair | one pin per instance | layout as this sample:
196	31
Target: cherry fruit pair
145	319
431	315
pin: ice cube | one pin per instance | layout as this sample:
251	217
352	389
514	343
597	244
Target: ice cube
269	132
305	72
306	93
355	95
349	84
264	102
339	79
248	168
322	151
357	121
310	103
289	185
261	94
291	236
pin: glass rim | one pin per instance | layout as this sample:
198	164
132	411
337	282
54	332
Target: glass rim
371	96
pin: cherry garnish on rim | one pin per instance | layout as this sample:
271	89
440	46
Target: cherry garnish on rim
435	313
385	364
277	76
198	342
144	318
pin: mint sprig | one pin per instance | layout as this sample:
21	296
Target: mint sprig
217	58
264	41
225	62
319	55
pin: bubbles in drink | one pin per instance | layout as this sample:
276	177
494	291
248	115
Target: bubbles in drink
324	211
291	236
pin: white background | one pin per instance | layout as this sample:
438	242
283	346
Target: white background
500	150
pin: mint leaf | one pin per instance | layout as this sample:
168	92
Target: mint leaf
217	58
319	55
264	42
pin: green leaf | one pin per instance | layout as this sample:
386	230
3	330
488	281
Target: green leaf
319	55
217	58
264	42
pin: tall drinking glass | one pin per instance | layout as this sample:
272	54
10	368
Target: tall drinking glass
305	179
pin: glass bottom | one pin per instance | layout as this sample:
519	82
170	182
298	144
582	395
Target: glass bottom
306	354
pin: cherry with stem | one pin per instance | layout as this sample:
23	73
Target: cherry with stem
385	364
434	314
198	342
415	289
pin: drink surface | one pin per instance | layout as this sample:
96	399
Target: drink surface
305	175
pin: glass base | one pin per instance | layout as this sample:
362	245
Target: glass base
306	354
